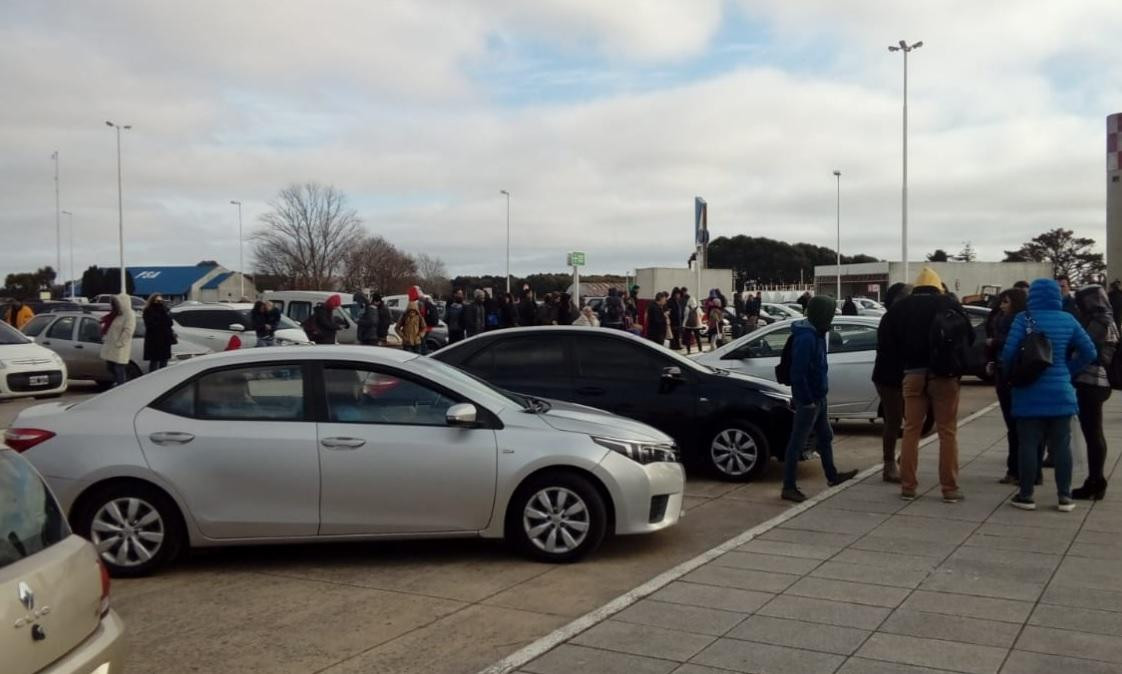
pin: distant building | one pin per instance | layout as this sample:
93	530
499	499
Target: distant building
872	279
199	283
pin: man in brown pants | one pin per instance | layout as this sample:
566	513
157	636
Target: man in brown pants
918	326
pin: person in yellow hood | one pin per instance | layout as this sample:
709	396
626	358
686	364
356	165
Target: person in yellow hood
930	335
18	314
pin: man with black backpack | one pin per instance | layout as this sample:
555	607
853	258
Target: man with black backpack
932	336
804	368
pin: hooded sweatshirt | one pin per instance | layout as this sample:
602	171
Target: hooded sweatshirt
809	369
907	325
1052	395
1096	317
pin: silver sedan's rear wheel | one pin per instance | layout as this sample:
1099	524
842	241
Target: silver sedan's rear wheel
134	526
738	451
557	517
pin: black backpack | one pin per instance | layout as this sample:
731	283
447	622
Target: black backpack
432	316
783	369
950	355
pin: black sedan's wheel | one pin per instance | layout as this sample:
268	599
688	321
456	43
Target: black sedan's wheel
557	517
134	527
738	451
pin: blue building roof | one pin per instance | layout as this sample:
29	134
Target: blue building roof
214	282
166	280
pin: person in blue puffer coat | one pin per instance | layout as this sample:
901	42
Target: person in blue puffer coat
1043	409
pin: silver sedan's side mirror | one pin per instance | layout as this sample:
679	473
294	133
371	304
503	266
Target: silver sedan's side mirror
461	415
237	327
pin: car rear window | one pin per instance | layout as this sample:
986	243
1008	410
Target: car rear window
36	325
30	520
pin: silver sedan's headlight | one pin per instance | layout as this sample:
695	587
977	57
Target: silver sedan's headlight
640	452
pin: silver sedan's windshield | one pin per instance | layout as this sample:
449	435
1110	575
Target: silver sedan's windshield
468	384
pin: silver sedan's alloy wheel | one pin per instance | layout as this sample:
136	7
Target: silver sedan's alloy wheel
556	520
127	531
734	452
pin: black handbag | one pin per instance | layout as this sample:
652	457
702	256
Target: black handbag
1033	357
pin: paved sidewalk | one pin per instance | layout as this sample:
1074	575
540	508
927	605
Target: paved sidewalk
865	582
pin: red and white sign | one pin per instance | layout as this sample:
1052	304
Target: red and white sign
1114	142
874	287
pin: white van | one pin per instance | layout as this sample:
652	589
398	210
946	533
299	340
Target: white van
298	305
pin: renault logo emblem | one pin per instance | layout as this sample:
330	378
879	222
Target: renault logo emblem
26	596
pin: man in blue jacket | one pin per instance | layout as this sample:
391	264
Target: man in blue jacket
809	386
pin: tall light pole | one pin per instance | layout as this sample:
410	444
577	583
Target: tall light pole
120	205
838	175
241	250
70	224
507	239
58	223
903	46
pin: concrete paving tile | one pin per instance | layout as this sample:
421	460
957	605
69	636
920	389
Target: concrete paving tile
783	548
1026	529
758	562
1070	643
1097	551
876	575
568	658
1021	662
968	510
1054	546
961	580
1104	520
1082	597
865	666
797	634
882	506
726	599
645	640
925	529
789	535
1031	566
824	611
1079	619
985	608
887	560
1088	572
957	657
836	521
690	668
951	628
745	656
1042	517
877	543
743	579
854	593
683	617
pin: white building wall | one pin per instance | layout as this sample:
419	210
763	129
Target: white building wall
967	278
654	279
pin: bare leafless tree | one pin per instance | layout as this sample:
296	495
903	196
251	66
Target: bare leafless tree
307	236
432	275
379	265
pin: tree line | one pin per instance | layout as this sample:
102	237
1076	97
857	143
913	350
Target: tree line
760	260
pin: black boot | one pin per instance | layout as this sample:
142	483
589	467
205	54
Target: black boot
1089	491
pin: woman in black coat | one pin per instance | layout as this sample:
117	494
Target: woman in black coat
158	333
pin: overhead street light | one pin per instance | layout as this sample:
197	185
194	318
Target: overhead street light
838	175
120	206
241	251
70	222
905	48
507	239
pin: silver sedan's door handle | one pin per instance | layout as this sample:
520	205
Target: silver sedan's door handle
342	443
171	438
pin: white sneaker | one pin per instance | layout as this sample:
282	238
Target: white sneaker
1065	505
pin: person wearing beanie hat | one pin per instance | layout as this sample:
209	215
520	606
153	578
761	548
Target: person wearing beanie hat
930	377
325	321
809	386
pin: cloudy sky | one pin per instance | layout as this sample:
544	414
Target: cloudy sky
603	120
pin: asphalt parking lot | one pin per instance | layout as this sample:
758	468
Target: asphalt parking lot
431	606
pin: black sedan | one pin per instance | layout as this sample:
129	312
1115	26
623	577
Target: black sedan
728	423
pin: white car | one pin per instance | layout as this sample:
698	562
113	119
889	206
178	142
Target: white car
292	444
27	369
54	592
213	324
868	307
780	312
852	350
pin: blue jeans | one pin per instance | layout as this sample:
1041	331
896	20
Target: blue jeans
809	418
1032	434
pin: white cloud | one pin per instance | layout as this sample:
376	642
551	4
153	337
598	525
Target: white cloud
390	102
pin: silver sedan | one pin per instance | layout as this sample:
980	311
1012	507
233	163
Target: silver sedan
291	444
852	351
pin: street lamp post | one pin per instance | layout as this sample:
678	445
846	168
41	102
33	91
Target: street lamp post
120	205
70	224
838	175
903	46
507	239
58	223
241	250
